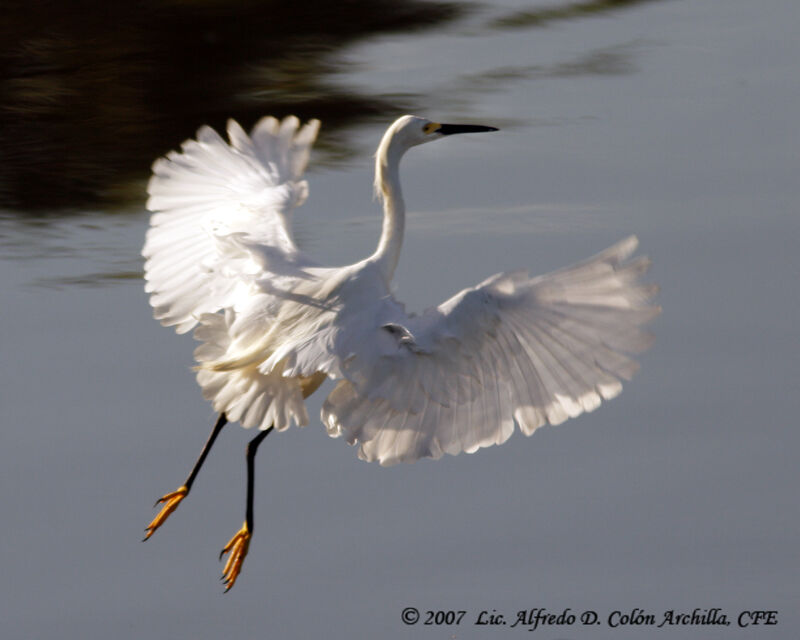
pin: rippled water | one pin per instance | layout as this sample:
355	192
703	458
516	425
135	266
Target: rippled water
671	120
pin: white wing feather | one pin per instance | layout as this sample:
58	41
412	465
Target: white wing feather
221	216
512	350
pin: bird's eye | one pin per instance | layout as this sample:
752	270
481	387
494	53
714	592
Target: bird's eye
431	127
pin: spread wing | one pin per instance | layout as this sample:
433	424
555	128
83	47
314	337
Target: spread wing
222	216
514	349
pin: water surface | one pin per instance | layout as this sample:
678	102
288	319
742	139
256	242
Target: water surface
675	121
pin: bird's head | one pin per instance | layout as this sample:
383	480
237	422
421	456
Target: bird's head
409	131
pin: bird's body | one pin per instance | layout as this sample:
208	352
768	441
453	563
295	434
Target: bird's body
273	324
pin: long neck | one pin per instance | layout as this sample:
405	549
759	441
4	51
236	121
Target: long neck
387	187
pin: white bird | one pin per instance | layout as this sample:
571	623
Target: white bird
273	324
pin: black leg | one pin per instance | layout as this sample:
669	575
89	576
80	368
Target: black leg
171	500
240	543
221	422
252	447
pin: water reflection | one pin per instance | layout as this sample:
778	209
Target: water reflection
606	61
541	16
93	91
88	250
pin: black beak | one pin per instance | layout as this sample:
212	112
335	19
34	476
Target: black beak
450	129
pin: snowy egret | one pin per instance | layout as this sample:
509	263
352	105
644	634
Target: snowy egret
273	324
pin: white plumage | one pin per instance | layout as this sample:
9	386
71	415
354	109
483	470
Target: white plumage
273	324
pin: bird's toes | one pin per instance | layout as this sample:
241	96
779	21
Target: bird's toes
237	547
169	502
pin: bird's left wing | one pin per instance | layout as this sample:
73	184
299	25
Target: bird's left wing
514	349
222	216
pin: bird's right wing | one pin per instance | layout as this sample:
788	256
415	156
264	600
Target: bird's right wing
222	216
514	349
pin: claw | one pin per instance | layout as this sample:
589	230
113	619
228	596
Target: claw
170	502
238	547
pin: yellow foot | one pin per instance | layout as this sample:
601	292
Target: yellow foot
170	502
237	547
